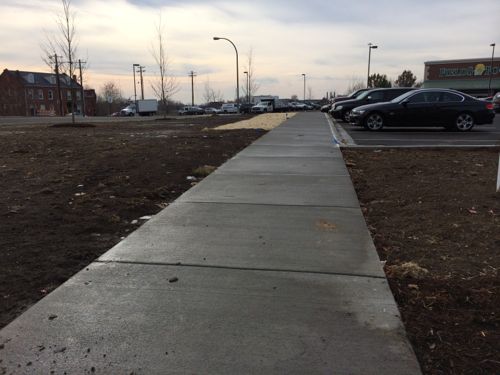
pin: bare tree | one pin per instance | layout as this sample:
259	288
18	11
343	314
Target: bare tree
110	91
63	45
165	84
253	86
355	84
210	95
309	92
110	99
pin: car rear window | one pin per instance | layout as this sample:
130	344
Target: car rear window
450	97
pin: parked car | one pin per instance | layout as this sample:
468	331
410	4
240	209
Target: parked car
326	107
342	110
211	111
191	110
352	95
496	102
229	108
296	106
426	107
245	107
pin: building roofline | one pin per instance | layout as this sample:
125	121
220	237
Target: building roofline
436	62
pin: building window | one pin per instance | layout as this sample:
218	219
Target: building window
50	95
78	95
68	95
30	93
40	94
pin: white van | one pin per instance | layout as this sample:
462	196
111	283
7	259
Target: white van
229	108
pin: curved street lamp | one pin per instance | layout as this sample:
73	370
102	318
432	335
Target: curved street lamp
370	47
491	68
237	69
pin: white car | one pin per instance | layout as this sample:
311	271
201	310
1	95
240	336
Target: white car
229	108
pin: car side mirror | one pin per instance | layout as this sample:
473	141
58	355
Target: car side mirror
368	98
405	102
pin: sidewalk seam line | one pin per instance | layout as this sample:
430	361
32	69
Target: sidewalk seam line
267	204
192	265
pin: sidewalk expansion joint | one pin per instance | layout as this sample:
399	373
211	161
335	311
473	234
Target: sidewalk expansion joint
271	204
194	265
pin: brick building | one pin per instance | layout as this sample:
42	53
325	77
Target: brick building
36	94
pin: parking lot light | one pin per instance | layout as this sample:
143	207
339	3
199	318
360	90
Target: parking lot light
491	68
370	47
237	68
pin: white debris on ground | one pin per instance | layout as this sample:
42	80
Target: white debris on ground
266	121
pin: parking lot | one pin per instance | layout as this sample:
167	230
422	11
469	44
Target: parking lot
482	135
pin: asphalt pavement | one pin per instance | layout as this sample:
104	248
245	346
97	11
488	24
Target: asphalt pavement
265	267
480	135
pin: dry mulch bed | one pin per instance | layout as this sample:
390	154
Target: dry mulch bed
435	220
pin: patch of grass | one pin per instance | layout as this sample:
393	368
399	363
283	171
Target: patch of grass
204	170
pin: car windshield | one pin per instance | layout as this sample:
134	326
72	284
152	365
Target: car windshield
356	94
402	97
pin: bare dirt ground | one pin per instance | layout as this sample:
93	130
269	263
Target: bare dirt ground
68	194
435	219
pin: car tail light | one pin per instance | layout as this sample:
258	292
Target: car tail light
489	106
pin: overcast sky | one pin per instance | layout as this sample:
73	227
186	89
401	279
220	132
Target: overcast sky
326	40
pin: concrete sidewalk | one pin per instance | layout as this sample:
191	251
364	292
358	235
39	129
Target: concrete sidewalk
265	267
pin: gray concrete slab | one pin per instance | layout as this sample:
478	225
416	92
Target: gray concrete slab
292	190
293	139
129	319
280	150
318	239
308	166
287	129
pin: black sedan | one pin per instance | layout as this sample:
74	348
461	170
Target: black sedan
342	110
426	107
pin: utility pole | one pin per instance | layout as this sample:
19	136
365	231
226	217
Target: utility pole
192	75
81	84
135	84
141	70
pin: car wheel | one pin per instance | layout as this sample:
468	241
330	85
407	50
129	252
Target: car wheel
346	116
374	122
464	122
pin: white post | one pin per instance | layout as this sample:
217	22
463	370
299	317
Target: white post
498	175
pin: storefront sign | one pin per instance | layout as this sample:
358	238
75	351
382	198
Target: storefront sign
462	70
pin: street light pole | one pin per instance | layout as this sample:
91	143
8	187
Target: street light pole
135	89
248	86
237	68
491	68
303	74
370	47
